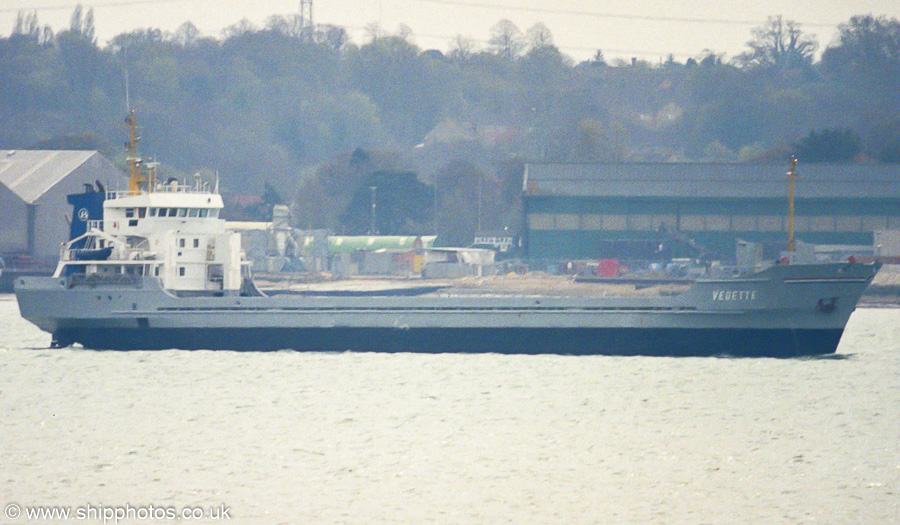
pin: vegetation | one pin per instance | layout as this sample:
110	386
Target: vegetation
321	118
828	145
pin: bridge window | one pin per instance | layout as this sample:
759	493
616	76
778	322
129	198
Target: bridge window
204	212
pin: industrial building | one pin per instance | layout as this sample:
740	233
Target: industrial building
33	189
602	210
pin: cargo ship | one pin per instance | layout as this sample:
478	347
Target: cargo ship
156	267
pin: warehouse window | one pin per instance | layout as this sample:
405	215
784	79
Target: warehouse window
770	223
566	221
692	223
718	223
801	223
743	223
669	221
592	222
539	221
614	222
821	223
871	223
640	222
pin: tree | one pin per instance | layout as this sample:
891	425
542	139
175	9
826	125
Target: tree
506	39
596	141
334	37
538	36
867	56
26	25
241	28
403	205
598	59
78	50
462	48
886	141
408	86
779	44
186	34
828	145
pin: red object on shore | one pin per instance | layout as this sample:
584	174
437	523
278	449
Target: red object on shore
608	268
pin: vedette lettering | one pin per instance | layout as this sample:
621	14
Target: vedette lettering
734	295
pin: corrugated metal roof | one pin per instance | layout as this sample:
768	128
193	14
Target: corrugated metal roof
30	173
684	180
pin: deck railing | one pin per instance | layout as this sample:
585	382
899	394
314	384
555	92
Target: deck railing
159	188
95	279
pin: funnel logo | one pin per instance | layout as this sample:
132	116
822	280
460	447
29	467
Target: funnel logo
83	214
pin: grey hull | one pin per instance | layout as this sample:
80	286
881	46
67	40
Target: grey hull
585	341
783	311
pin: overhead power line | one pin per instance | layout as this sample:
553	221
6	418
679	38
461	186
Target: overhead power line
573	12
592	49
85	5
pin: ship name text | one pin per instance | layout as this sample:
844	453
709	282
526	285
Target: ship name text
734	295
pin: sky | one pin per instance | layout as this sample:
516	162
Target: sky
649	29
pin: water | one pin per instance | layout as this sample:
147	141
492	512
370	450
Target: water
290	437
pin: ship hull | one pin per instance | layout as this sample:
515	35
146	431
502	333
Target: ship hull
684	342
784	311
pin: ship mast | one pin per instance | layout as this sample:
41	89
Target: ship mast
135	172
792	176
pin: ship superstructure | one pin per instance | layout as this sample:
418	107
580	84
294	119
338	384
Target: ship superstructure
168	231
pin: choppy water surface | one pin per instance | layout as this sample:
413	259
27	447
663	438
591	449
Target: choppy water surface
291	437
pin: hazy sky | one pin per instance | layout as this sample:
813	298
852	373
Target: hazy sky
621	28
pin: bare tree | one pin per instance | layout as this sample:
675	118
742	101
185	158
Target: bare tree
404	32
238	29
186	34
462	47
506	39
780	44
333	36
538	36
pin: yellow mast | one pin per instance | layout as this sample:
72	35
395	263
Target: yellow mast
792	175
135	173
